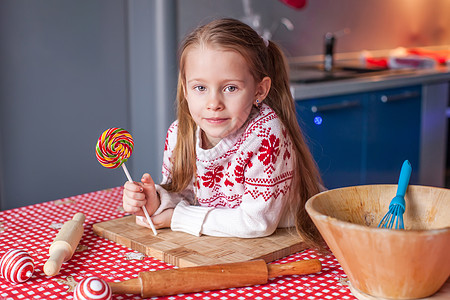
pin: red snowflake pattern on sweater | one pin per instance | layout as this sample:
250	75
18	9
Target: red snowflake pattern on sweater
212	177
269	151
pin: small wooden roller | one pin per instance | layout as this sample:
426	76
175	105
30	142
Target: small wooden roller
64	244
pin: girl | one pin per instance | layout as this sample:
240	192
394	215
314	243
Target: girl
235	162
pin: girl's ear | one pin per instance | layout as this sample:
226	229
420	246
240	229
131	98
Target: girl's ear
262	89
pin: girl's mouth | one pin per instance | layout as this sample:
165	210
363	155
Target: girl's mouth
216	120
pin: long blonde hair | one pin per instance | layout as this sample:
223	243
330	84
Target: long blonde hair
263	61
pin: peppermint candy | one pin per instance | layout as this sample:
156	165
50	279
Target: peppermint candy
92	288
16	266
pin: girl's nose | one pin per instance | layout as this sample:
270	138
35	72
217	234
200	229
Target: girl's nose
214	104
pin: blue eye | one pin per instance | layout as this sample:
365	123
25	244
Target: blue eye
318	120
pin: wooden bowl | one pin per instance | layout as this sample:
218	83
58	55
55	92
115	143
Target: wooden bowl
397	264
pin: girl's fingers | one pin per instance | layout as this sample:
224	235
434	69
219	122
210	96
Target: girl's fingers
147	179
138	196
133	210
133	187
134	203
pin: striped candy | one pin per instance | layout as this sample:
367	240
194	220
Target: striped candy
92	288
114	147
16	266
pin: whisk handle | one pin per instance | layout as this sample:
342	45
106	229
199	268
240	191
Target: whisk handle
403	179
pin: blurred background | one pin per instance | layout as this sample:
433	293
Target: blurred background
69	69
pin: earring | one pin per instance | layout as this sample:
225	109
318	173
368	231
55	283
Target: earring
257	103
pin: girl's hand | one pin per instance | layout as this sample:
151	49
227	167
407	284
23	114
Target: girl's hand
164	219
138	194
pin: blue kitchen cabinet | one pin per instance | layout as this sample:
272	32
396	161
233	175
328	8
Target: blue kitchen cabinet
393	134
363	138
333	128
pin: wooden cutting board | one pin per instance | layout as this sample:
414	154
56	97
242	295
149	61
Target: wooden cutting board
185	250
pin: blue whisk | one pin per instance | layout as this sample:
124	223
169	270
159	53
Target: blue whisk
397	205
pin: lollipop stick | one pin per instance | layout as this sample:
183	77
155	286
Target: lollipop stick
127	173
147	216
149	220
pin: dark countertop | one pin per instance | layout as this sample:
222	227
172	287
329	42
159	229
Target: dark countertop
370	82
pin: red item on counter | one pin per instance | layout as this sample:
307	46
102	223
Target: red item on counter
441	56
381	62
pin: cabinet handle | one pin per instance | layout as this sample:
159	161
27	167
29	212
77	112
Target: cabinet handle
402	96
335	106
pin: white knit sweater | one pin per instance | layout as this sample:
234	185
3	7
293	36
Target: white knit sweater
240	184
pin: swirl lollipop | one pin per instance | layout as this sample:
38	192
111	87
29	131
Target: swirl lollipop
16	266
92	288
113	149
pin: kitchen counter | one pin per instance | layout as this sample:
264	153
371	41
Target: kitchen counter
384	80
434	100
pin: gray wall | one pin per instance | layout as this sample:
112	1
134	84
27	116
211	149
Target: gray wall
62	82
69	69
152	46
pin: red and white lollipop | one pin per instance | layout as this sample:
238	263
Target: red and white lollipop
92	288
16	266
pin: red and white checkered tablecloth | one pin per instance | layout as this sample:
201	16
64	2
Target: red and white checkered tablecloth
33	229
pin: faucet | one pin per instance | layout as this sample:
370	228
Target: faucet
329	42
329	51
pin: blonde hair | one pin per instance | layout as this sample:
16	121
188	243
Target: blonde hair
263	61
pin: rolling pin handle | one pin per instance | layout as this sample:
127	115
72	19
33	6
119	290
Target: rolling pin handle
54	263
130	286
301	267
79	217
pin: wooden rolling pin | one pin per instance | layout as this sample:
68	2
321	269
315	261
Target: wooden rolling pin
64	244
203	278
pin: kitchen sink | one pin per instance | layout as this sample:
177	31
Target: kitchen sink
323	78
316	73
361	70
